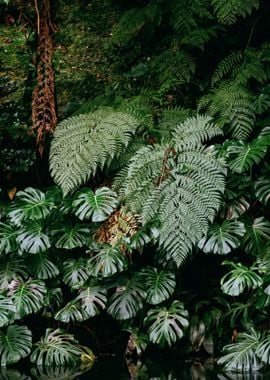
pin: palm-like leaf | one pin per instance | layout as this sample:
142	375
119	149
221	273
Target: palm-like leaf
127	299
32	239
72	236
8	235
7	310
15	344
223	238
75	272
28	297
239	279
257	235
96	205
159	285
166	326
108	261
56	348
42	267
30	204
11	268
241	356
86	305
242	156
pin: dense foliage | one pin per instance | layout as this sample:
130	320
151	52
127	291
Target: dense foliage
160	164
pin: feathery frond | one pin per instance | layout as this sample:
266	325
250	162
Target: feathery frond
228	11
84	143
180	185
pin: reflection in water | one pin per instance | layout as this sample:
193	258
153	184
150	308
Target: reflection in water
117	369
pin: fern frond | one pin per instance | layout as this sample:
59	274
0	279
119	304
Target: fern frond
228	11
233	105
84	143
173	65
226	66
180	185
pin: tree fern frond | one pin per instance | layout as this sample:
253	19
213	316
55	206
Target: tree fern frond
232	104
180	185
228	11
194	131
84	143
226	66
173	65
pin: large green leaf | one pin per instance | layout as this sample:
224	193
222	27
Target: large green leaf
239	279
28	297
262	190
257	235
96	205
159	285
166	326
223	238
241	356
8	235
86	305
263	349
127	299
108	261
7	310
75	272
11	268
41	266
72	236
56	348
15	344
242	156
30	204
32	239
71	312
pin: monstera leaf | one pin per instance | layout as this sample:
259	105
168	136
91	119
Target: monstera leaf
96	205
166	326
223	238
30	204
263	349
108	261
262	190
257	235
72	236
32	239
127	299
241	356
11	268
56	348
86	305
159	285
71	313
42	267
239	279
28	297
8	235
242	156
75	272
15	344
7	310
